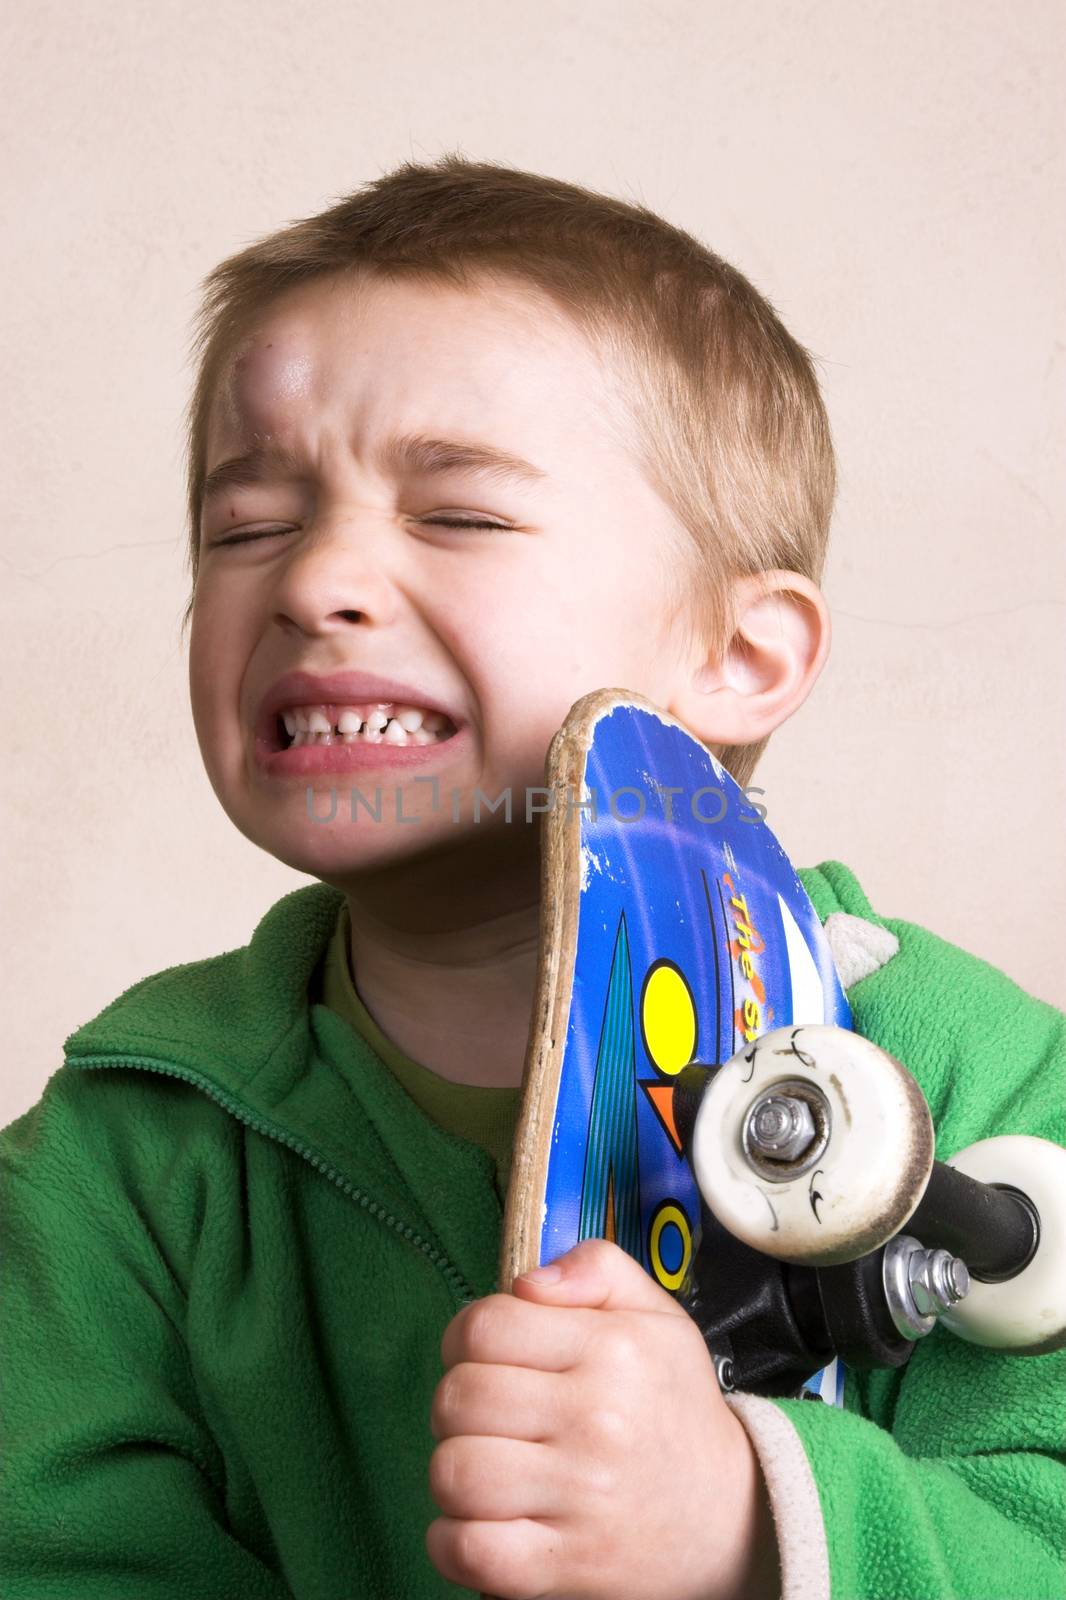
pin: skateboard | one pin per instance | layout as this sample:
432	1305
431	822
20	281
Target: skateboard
674	928
693	1091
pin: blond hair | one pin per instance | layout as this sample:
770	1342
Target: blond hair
720	405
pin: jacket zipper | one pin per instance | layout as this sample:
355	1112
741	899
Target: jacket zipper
447	1268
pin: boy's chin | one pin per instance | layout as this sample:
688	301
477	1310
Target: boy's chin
343	853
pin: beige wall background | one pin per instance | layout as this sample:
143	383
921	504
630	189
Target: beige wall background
889	174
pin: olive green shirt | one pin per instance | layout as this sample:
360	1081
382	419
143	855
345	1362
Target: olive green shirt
485	1116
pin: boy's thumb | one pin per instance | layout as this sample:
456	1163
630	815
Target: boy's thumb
595	1272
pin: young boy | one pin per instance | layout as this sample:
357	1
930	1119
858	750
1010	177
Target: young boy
465	446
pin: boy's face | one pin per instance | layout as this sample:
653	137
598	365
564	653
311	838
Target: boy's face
505	626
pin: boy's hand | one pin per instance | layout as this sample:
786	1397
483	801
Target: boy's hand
585	1448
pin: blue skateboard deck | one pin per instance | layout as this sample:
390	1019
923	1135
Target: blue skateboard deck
673	929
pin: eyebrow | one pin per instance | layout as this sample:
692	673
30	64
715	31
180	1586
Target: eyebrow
415	452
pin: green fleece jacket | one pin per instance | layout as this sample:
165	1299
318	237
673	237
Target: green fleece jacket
232	1241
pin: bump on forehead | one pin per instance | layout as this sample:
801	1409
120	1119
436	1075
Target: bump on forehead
265	377
269	377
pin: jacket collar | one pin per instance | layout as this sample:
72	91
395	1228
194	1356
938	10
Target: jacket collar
228	1016
244	1014
240	1025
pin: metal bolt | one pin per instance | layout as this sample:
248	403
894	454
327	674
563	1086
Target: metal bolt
781	1127
919	1284
959	1276
785	1129
937	1279
723	1366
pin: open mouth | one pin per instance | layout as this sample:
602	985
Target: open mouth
394	725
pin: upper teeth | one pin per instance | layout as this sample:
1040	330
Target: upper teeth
395	724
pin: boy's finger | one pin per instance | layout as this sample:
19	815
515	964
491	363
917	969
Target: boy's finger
519	1557
498	1479
511	1402
518	1333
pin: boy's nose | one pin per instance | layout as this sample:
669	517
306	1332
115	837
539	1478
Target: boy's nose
340	571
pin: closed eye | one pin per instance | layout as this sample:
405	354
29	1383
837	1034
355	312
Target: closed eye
248	538
463	522
439	522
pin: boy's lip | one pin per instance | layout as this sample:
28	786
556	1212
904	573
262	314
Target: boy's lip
339	688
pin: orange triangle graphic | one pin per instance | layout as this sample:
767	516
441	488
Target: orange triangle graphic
661	1096
609	1231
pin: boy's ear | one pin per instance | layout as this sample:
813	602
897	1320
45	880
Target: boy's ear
780	641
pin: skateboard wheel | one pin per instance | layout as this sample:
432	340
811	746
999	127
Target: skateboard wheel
1025	1314
813	1145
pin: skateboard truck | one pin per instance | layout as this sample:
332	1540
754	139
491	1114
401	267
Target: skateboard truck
828	1229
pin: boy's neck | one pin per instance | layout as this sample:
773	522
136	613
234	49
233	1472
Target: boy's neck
447	971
